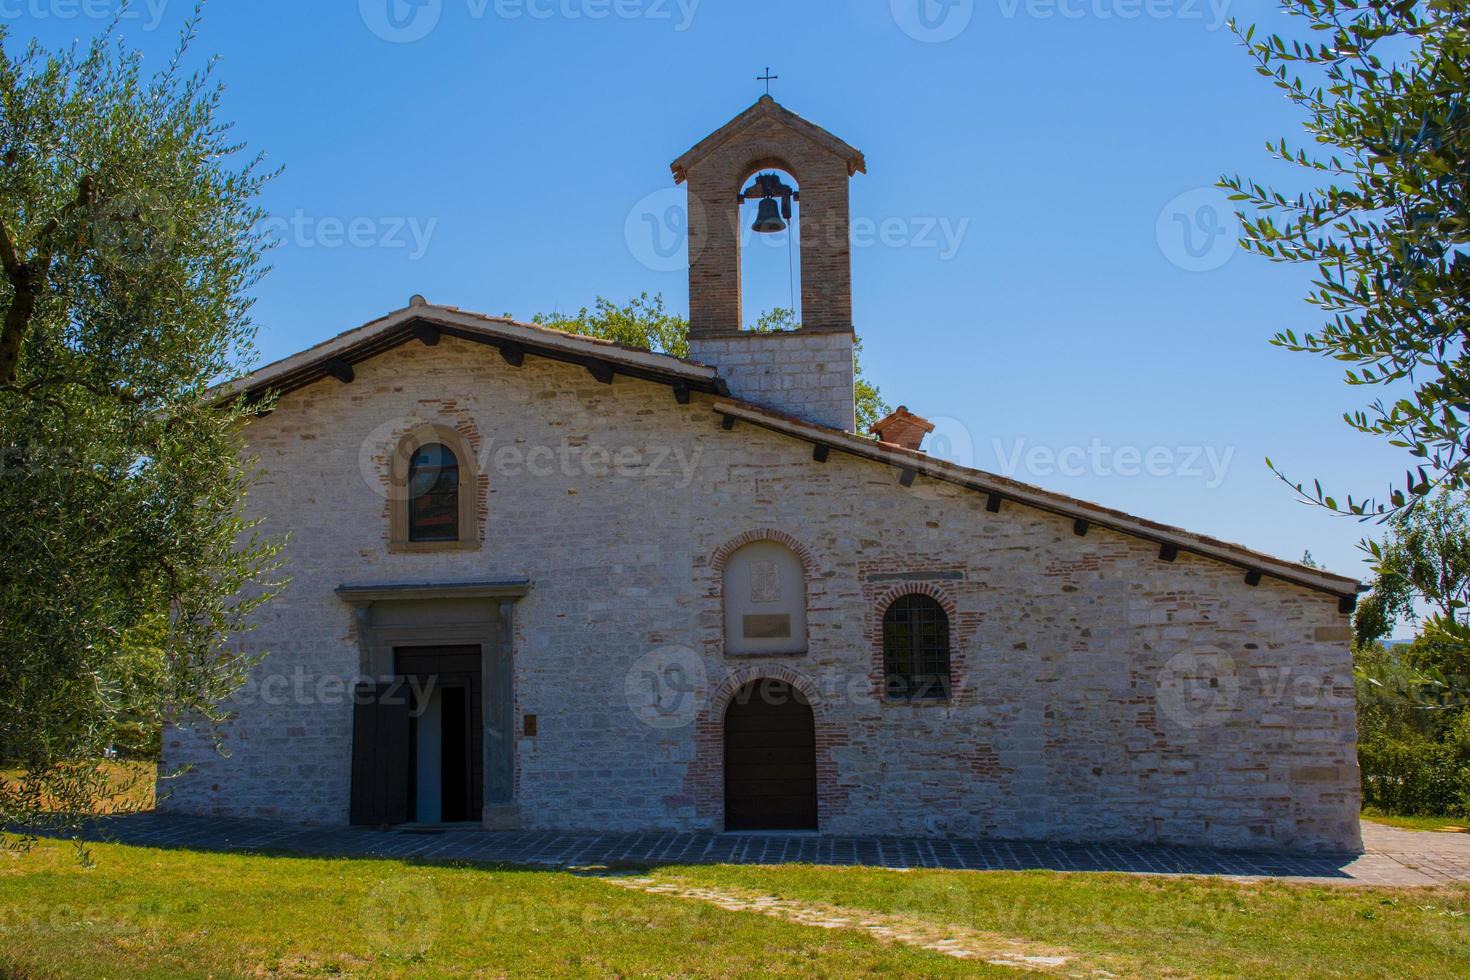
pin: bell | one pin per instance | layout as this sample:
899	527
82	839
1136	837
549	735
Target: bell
768	219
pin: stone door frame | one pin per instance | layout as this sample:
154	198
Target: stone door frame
391	615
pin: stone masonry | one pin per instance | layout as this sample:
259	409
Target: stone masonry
1102	686
806	374
1100	693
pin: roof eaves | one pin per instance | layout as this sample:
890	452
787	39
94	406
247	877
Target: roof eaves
1341	586
373	338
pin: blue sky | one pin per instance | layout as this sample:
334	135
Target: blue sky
1040	264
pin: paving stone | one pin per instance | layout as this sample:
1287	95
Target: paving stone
1394	857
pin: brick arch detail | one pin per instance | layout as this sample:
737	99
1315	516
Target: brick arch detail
723	552
768	156
957	659
914	588
705	781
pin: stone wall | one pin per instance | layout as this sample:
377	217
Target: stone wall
1100	694
805	373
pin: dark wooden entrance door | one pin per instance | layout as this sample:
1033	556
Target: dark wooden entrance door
380	754
450	676
770	759
386	732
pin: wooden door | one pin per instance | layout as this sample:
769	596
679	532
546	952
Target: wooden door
380	754
456	670
770	759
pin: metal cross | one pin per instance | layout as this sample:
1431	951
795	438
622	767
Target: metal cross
768	78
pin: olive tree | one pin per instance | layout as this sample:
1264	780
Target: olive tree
129	248
1386	230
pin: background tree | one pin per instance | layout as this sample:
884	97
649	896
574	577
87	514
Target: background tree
645	323
126	234
1383	84
1424	561
1413	727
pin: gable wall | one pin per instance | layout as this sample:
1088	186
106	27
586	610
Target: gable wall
1083	706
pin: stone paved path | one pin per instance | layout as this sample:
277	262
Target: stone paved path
959	942
1394	857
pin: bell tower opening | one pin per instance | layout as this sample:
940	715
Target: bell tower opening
770	250
769	229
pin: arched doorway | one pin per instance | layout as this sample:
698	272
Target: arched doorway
770	759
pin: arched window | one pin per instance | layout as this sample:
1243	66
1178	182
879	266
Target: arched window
916	649
765	600
433	494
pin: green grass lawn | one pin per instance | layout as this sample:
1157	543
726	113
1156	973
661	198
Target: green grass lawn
1152	926
146	912
1442	824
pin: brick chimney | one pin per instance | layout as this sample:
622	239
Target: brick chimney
807	373
903	429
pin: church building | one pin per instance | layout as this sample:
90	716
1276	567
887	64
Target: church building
543	581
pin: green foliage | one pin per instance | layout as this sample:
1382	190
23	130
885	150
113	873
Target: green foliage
1425	558
1418	777
1413	730
1413	727
126	565
1388	106
643	322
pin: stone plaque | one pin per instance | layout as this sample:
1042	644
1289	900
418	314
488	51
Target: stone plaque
765	582
767	627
